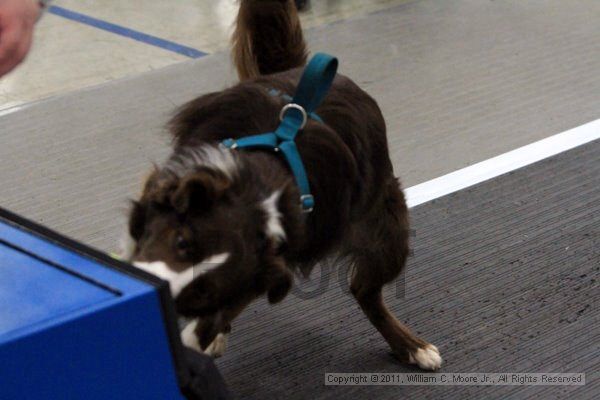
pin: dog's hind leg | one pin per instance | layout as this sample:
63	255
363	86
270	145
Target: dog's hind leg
380	246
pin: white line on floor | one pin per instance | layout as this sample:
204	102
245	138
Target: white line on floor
502	164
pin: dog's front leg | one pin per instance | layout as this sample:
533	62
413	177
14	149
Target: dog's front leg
211	314
209	330
208	334
213	302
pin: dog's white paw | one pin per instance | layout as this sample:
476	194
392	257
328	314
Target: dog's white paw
428	357
190	339
217	347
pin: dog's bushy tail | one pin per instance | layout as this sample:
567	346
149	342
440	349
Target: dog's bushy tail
267	38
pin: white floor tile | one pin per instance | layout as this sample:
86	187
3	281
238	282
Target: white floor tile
68	55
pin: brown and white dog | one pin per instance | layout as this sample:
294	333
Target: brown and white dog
236	213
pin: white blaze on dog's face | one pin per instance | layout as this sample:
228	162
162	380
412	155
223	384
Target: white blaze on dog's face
178	280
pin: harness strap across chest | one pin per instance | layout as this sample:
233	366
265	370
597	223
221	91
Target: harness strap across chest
312	89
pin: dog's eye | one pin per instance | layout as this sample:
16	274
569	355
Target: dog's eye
181	243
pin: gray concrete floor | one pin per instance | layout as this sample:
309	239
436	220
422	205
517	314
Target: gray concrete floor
69	55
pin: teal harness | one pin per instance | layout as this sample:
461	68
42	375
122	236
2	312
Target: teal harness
314	85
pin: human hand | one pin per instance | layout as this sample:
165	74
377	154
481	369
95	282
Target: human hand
17	19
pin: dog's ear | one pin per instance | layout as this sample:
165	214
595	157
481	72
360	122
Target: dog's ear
199	190
279	280
158	188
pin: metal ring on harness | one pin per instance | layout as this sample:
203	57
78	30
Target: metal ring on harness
229	144
295	107
307	203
